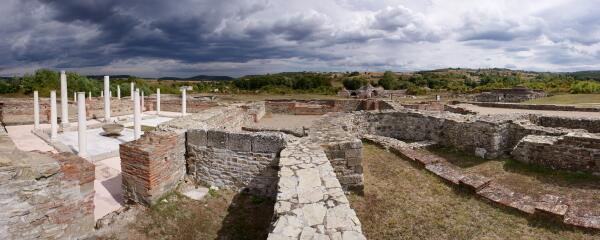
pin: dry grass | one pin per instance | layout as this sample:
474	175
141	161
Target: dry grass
576	99
402	201
224	215
527	178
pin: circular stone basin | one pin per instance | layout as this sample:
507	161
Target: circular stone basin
112	129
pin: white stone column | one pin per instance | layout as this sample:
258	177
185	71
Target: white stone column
81	124
132	90
142	107
107	99
101	94
118	91
137	116
64	101
157	101
90	96
74	96
36	110
53	116
183	102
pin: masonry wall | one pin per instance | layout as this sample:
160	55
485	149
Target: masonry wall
537	106
310	201
44	196
234	159
152	165
484	137
320	107
589	124
574	151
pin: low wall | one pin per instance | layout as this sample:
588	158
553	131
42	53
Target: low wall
564	208
574	151
589	124
320	107
310	201
342	148
536	106
234	160
152	165
44	196
15	111
486	137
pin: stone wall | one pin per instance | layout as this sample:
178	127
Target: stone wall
152	165
574	151
549	107
486	137
310	201
237	160
589	124
518	94
342	148
44	196
320	107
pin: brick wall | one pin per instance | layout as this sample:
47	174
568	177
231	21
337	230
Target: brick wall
152	165
45	196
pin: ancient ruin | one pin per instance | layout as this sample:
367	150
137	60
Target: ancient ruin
308	171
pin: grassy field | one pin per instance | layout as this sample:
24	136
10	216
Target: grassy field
577	99
405	202
221	215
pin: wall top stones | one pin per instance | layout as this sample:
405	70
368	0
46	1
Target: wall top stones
310	201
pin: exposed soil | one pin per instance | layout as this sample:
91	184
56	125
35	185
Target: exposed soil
403	201
221	215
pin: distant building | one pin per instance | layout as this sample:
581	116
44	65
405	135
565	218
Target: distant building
517	94
368	91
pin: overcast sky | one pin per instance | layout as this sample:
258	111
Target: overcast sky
236	37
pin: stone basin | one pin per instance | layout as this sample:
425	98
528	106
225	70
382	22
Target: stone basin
113	129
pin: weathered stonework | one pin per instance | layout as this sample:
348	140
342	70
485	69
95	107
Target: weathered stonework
320	107
152	165
234	160
310	201
44	196
574	151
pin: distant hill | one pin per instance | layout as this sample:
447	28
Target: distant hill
586	75
199	78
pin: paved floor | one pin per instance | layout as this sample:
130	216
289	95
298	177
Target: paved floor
490	110
25	140
96	143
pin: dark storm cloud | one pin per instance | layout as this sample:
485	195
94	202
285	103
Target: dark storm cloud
159	35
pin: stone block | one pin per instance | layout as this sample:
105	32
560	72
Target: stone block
216	139
267	143
197	137
239	142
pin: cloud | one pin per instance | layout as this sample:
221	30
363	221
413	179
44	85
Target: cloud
235	37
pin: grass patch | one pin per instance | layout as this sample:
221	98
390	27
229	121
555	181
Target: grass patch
222	215
145	128
575	99
404	202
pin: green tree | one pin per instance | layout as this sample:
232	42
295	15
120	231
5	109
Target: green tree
389	81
